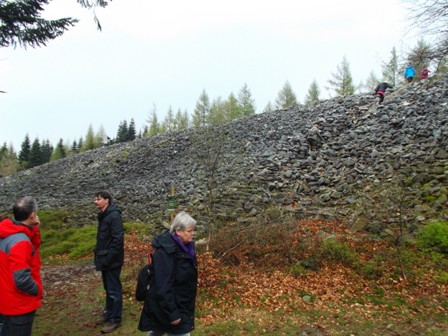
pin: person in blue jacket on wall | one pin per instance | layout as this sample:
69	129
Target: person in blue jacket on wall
409	73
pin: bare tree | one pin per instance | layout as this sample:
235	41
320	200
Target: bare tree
430	17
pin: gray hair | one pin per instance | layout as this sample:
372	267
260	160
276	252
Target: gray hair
182	221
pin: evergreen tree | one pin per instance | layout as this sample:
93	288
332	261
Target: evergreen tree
154	125
90	142
169	124
3	150
59	152
8	161
36	157
420	57
391	71
24	154
182	120
46	151
268	108
122	132
313	94
80	144
232	108
201	113
371	83
430	17
21	22
342	82
217	112
246	102
74	149
131	131
101	137
286	97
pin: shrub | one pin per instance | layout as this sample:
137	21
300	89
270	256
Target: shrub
442	278
297	270
335	250
73	242
53	219
434	236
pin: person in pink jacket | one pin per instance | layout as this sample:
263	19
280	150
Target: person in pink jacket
20	279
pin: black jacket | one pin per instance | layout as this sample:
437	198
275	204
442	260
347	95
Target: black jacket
109	249
173	289
382	87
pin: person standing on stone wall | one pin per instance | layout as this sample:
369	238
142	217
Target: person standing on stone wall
380	90
409	73
109	258
425	73
20	279
314	137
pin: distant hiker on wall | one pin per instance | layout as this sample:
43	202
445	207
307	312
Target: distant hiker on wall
409	73
380	90
425	73
313	137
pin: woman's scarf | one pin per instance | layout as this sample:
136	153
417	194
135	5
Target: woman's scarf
189	248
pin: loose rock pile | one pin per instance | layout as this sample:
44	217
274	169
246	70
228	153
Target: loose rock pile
257	162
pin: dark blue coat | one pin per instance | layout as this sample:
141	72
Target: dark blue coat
109	249
173	289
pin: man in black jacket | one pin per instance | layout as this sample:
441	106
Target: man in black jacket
380	90
109	257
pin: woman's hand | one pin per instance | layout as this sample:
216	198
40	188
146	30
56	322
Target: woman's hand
175	322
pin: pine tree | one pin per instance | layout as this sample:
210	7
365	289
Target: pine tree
268	108
21	22
122	132
24	154
232	108
182	120
74	149
35	158
100	137
59	152
169	124
201	113
420	57
8	161
391	71
46	151
246	102
313	94
217	112
154	126
370	84
342	82
131	131
89	143
80	144
286	97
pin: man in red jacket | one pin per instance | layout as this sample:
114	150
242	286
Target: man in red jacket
20	279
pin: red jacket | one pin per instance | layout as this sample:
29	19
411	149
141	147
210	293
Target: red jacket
20	280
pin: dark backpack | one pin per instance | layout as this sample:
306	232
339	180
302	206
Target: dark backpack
144	280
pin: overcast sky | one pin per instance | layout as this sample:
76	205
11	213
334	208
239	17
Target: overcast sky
165	53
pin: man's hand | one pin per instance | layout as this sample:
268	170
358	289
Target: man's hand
176	322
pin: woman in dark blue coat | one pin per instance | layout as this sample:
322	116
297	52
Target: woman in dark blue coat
169	307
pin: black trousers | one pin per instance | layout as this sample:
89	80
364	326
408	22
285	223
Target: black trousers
17	325
114	293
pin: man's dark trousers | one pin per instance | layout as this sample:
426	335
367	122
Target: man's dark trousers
114	293
18	325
